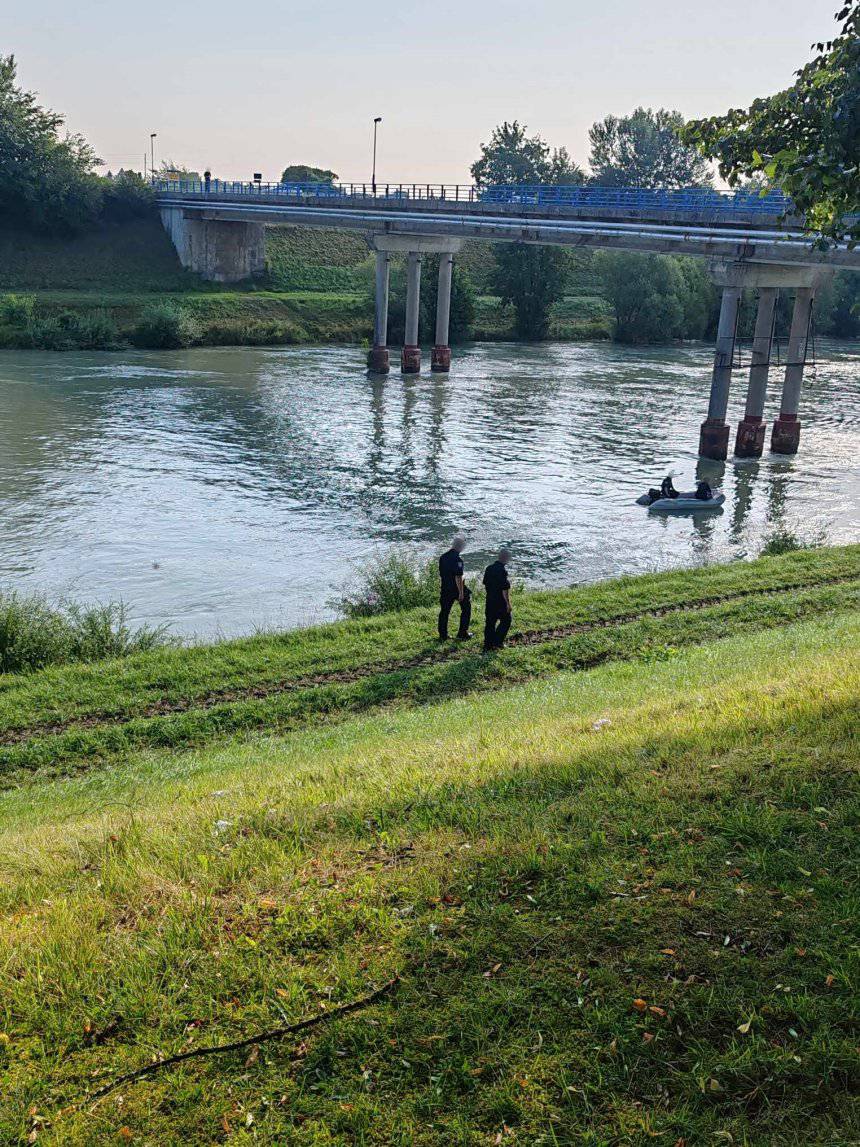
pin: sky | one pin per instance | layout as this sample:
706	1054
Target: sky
249	88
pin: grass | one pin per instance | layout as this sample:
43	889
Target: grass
65	719
316	290
622	904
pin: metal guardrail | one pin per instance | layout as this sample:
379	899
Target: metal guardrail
636	200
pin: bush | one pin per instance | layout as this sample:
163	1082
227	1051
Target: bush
164	327
249	332
50	332
17	310
786	542
391	583
34	633
93	330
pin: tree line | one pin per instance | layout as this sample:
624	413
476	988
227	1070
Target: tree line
805	140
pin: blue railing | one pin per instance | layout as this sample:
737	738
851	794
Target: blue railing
635	200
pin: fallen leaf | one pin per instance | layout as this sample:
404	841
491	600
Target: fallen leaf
282	992
640	1005
268	905
655	1011
667	952
253	1056
691	896
647	1037
829	981
744	1028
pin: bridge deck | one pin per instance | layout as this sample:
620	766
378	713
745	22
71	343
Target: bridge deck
736	227
696	206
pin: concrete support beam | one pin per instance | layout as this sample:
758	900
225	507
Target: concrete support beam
714	434
441	359
785	436
378	359
218	251
410	362
749	441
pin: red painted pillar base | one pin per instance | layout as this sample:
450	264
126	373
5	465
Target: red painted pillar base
410	360
441	359
749	441
378	360
785	436
714	440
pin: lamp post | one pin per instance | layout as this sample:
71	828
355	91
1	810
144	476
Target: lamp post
152	136
376	122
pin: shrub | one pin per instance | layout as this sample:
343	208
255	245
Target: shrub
164	327
50	332
17	310
94	330
784	541
34	633
390	583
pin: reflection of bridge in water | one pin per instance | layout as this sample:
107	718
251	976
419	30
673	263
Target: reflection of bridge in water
752	241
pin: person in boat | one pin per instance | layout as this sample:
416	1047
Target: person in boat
499	613
704	492
453	588
667	488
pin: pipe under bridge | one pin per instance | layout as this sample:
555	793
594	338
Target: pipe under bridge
751	240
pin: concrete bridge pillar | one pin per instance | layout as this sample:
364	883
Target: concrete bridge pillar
785	436
378	359
441	359
410	362
714	433
219	251
749	441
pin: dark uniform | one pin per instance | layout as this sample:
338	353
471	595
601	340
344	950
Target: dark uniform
450	568
498	619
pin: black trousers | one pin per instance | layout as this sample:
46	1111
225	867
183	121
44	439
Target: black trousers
496	625
446	600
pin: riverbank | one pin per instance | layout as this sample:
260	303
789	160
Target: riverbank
609	870
95	290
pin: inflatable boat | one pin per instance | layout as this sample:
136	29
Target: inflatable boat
686	500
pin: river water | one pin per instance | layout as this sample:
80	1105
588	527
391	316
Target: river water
224	489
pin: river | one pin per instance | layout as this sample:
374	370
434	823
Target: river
221	490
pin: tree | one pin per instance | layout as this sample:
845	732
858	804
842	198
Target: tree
511	156
806	139
838	306
301	173
126	195
646	292
645	149
530	278
47	181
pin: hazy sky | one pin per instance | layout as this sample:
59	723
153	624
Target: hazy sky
250	87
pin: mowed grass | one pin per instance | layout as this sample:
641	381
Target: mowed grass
72	717
622	905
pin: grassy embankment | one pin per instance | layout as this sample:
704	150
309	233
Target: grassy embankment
621	903
317	288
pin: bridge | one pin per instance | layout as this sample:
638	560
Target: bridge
751	240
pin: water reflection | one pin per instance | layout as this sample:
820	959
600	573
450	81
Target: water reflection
253	479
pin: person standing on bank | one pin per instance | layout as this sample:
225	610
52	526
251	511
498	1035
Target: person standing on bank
498	618
452	589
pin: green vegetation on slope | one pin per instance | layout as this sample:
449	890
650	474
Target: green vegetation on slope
621	904
67	718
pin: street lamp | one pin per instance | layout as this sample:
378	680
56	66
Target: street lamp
376	122
152	136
